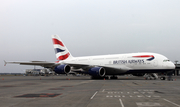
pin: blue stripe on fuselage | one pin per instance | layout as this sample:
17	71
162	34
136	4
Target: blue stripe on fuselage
150	59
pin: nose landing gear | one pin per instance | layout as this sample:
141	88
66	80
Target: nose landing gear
163	78
169	78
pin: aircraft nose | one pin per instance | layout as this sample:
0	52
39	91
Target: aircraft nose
171	66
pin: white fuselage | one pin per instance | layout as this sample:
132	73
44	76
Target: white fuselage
124	63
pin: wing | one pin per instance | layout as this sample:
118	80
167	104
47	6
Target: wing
38	63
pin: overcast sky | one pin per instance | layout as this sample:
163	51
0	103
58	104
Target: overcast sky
87	27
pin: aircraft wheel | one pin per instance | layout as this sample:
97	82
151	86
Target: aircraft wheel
163	78
114	77
96	77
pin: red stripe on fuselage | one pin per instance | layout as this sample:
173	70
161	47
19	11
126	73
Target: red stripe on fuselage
143	56
63	57
55	41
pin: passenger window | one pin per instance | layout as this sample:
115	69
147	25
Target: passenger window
166	60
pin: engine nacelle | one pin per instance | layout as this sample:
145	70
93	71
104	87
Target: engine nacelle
62	69
97	71
138	74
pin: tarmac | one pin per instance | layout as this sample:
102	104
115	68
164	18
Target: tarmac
73	91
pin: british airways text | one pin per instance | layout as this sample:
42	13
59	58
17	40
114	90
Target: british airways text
128	61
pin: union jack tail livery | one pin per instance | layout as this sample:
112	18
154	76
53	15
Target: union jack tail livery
61	51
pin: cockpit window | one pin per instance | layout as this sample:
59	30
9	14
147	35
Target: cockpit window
166	60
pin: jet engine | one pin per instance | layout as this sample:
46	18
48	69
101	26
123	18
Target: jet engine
97	71
62	69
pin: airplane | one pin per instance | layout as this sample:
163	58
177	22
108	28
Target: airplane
103	66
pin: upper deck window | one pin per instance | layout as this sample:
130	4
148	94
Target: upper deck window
166	60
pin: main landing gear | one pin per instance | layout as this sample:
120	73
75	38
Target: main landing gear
105	77
96	77
113	77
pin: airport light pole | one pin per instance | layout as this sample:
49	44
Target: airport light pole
176	71
176	61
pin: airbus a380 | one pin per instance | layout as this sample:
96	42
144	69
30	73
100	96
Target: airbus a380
104	65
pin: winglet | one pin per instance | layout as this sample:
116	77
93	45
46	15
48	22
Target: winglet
5	63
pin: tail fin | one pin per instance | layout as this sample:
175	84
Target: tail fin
61	51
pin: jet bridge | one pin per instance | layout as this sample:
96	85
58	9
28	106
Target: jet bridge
177	69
